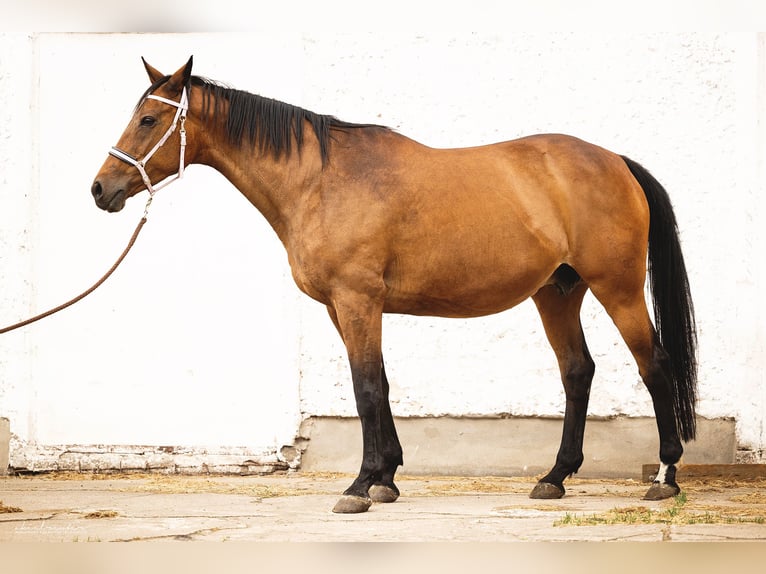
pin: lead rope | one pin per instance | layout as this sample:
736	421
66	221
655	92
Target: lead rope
182	108
95	286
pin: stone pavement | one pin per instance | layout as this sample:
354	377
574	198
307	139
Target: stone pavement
297	507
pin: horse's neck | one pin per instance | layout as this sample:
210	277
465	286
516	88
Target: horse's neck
274	187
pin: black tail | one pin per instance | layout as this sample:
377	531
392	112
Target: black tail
673	308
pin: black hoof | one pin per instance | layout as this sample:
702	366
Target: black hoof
661	491
349	504
547	491
382	493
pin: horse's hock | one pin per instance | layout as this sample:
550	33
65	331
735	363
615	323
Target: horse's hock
517	446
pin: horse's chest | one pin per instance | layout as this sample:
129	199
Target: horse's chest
314	271
309	280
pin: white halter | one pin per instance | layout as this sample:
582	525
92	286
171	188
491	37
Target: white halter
183	107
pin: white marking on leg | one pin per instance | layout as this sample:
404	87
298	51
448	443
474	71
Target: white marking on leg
661	473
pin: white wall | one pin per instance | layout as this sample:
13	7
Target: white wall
201	338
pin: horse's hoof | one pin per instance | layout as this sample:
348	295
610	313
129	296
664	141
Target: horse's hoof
547	491
349	504
661	491
382	493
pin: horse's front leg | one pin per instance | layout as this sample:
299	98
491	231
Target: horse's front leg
359	321
384	489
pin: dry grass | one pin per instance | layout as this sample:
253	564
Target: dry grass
97	476
8	509
632	515
174	484
677	510
170	483
750	498
721	484
101	514
453	485
446	486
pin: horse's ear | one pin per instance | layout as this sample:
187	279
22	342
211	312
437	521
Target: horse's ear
181	77
154	74
188	70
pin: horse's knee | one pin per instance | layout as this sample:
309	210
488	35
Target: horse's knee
577	377
368	401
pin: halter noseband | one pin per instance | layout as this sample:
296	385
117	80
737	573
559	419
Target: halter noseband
182	107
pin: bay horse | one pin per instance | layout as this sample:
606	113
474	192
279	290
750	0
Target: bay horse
374	222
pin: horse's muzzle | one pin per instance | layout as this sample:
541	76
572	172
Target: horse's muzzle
111	202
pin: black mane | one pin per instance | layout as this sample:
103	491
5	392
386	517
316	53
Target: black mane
270	125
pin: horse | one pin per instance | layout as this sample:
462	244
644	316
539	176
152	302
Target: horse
374	222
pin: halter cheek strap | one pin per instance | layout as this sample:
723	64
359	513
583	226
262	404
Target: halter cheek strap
180	117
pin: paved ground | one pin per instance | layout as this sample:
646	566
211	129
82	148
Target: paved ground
296	508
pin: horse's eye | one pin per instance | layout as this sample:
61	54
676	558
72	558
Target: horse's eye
148	121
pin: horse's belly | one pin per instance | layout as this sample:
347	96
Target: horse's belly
464	293
423	304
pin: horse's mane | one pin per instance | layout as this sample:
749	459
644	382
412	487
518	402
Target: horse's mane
268	124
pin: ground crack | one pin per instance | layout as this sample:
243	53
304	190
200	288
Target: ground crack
187	536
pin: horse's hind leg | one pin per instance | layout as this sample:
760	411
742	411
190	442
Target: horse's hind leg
630	315
560	313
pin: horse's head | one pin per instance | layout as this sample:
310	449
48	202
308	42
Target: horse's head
152	146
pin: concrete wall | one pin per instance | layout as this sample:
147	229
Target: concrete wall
517	446
201	340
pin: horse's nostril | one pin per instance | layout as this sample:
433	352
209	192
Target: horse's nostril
96	190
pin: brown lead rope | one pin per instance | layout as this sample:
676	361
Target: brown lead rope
84	294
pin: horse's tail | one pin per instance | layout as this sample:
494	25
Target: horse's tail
673	308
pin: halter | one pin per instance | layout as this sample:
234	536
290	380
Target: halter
182	107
